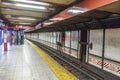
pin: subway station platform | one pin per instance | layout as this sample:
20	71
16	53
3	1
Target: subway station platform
25	62
65	40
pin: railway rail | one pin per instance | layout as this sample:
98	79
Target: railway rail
78	70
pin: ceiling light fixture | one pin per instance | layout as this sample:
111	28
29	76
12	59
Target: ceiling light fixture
33	2
56	18
26	18
76	10
24	5
7	3
30	6
25	23
48	23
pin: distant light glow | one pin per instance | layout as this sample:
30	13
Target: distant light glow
19	26
30	6
26	18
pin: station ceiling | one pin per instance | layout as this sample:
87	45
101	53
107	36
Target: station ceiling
56	13
31	12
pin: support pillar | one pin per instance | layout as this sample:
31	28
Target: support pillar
5	39
11	38
0	37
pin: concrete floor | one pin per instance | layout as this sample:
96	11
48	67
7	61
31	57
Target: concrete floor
21	62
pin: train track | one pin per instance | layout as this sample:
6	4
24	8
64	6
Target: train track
79	71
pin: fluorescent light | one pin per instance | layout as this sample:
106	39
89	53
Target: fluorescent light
56	18
5	9
33	2
7	3
25	23
24	5
75	11
26	18
48	23
30	6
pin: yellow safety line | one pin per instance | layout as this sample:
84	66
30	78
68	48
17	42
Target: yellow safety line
59	71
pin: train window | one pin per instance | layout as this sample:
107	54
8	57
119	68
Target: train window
95	47
112	51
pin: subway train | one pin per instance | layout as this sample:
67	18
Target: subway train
99	48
